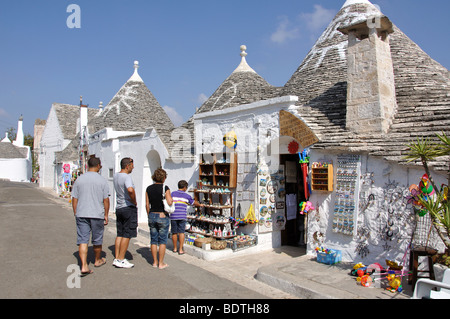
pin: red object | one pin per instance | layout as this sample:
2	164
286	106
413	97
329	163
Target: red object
304	168
293	147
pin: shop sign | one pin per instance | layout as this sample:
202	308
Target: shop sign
292	126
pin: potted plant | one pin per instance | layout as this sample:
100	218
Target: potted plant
438	205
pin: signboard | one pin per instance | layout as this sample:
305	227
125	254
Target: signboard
291	125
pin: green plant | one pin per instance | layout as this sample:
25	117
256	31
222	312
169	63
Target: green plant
438	206
443	259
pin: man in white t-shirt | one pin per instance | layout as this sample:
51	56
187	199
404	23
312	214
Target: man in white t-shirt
90	203
126	212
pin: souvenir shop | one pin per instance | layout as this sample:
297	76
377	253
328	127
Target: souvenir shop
244	202
265	185
252	177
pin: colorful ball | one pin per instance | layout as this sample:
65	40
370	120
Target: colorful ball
230	140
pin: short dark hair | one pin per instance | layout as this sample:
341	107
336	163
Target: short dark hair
93	162
182	184
125	162
159	175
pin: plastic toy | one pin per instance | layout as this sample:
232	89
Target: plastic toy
425	185
395	283
366	281
304	158
392	265
358	265
305	207
393	273
249	218
414	199
323	250
360	272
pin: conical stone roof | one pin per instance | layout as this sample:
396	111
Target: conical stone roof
321	80
10	151
422	90
243	86
133	108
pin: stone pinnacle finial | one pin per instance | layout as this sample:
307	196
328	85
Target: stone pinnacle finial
244	67
135	77
243	49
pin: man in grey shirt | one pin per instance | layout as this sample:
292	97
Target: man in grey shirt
126	212
90	203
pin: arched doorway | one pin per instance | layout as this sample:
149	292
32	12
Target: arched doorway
151	163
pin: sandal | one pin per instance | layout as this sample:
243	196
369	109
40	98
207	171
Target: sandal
85	273
104	262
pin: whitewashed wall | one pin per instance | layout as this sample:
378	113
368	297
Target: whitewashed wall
388	181
148	153
15	169
257	129
52	141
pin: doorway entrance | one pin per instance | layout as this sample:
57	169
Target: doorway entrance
294	233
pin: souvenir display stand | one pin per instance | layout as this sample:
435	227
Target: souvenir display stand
347	190
215	189
271	197
218	170
322	177
214	218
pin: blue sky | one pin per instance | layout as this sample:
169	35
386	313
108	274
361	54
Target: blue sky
186	49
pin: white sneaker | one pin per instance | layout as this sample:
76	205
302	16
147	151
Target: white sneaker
127	264
116	262
123	263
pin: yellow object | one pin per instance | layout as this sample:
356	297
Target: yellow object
359	265
250	214
394	281
230	140
393	265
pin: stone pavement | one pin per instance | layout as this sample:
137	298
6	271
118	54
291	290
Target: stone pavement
281	273
286	273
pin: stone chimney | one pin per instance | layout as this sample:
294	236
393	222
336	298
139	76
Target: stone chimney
83	115
20	139
83	123
371	100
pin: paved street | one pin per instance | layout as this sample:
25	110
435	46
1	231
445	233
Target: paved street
37	245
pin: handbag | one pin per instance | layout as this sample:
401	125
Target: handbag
167	208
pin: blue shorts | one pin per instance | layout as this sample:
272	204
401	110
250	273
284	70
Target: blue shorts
178	226
88	226
159	229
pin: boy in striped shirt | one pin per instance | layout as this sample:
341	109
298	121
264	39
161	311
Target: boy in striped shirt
178	218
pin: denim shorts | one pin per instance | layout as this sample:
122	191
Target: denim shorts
126	222
88	226
178	226
159	229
